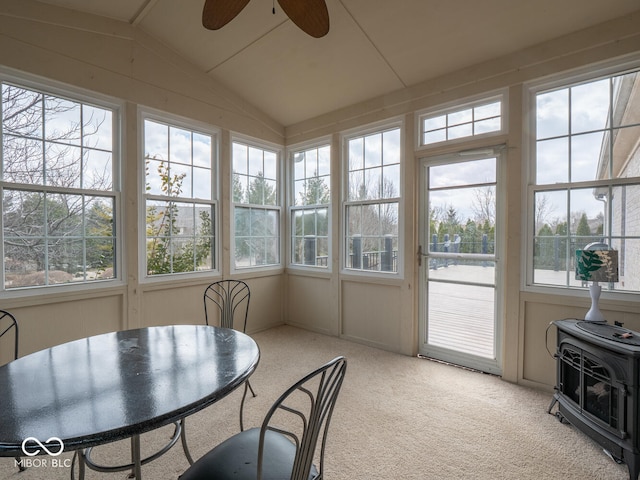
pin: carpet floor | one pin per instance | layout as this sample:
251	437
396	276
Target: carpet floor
397	417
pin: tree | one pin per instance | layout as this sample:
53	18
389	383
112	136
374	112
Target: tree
544	247
472	238
600	224
238	193
583	231
316	191
543	210
561	229
42	135
255	228
167	250
100	231
450	224
483	205
375	215
261	192
313	221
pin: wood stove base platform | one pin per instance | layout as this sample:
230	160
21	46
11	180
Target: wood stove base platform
610	444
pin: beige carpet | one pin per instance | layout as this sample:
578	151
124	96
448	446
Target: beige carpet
397	418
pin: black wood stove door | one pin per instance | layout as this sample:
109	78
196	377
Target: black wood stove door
588	381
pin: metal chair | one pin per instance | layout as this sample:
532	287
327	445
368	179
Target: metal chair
283	448
230	300
9	324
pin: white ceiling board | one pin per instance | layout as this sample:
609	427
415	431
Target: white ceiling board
173	23
374	47
428	38
292	75
123	10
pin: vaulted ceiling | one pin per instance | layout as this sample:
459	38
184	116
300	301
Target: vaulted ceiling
373	48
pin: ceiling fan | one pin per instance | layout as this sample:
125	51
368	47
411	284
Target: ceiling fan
311	16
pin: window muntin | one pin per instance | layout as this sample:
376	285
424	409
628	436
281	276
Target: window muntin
586	177
310	212
373	191
180	201
59	191
482	117
256	206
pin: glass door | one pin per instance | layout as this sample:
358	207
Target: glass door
459	261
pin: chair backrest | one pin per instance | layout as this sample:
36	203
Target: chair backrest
306	408
230	298
7	325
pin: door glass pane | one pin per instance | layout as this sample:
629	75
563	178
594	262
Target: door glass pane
463	173
468	213
461	318
461	269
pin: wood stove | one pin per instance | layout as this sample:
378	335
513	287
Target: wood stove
598	386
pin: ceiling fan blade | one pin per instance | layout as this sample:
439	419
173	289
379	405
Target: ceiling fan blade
311	16
217	13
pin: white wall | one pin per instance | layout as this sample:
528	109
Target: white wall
384	314
115	59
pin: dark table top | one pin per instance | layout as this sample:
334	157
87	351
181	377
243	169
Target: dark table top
113	386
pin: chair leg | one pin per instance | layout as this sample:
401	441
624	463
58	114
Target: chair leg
21	467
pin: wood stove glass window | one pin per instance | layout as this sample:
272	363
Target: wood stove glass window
570	374
586	381
600	397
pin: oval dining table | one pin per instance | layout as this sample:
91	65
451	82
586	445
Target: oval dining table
117	385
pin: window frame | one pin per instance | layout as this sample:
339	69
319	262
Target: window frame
278	150
171	120
456	106
345	137
292	207
89	98
591	73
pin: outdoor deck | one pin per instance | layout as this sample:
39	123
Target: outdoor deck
461	317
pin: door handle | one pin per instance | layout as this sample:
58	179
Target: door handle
419	255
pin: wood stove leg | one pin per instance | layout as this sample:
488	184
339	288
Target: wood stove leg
554	400
633	465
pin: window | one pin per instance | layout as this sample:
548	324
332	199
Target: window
310	217
180	198
59	190
586	177
372	201
256	206
478	118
